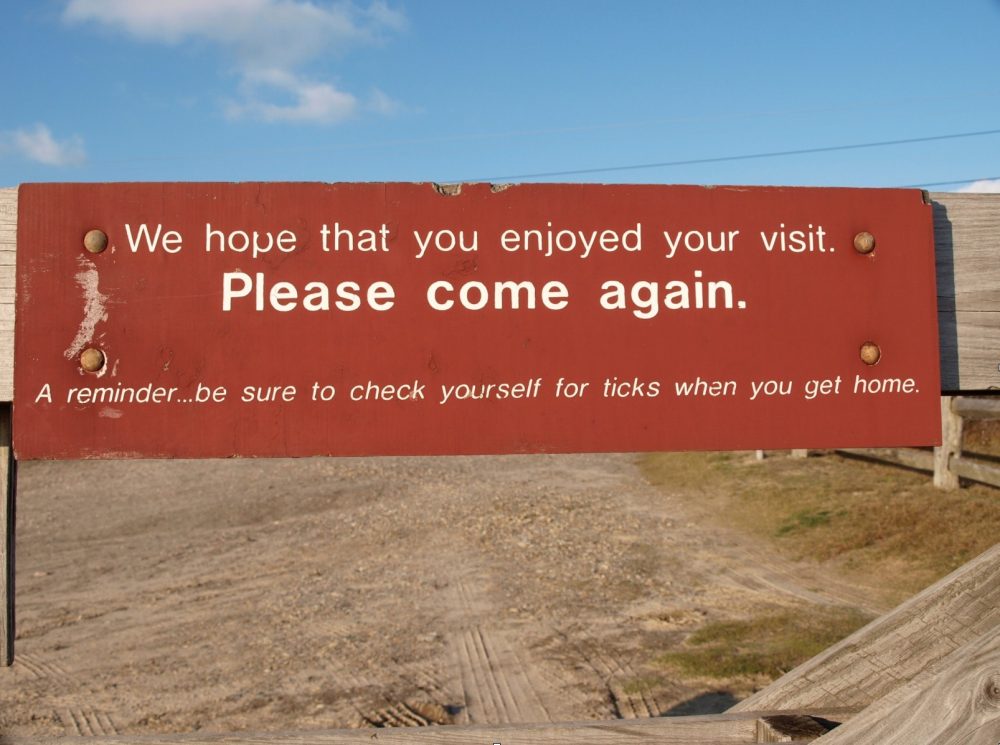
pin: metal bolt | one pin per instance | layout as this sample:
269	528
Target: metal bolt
95	241
870	353
92	359
864	242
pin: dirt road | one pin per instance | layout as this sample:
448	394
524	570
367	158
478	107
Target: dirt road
265	595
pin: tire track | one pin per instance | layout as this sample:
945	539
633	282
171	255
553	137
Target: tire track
566	688
631	698
496	683
470	602
415	711
408	714
75	719
425	679
532	679
40	668
87	723
486	702
370	705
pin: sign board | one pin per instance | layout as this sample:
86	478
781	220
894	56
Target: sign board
363	319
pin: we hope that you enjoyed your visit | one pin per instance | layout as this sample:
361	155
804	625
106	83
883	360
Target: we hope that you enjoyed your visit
644	298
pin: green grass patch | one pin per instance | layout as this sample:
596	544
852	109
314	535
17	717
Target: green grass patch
765	646
806	519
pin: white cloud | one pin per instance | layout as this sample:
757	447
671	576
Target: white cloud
380	103
265	40
383	15
39	145
310	101
982	187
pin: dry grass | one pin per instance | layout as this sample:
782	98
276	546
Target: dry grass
763	647
981	438
860	518
880	526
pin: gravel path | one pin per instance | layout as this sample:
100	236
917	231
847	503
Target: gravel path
267	595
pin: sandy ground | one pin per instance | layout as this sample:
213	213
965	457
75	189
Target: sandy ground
273	595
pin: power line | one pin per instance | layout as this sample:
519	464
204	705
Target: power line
730	158
227	152
952	183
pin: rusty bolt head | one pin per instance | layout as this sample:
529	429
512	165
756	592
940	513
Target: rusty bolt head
92	359
864	242
870	353
95	241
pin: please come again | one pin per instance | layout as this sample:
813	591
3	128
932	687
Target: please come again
643	298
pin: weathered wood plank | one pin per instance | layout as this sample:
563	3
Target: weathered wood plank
718	729
976	470
956	702
976	407
8	483
969	341
922	460
8	246
896	648
966	240
951	446
792	728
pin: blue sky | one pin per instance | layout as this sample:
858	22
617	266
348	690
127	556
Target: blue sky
407	90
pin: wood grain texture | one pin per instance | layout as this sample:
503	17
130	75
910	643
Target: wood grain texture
969	342
896	648
976	470
951	445
8	248
967	241
792	728
718	729
976	407
8	482
957	702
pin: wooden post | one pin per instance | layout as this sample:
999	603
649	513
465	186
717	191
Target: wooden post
951	446
8	252
8	481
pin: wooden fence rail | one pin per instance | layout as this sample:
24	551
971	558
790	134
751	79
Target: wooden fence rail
947	462
732	728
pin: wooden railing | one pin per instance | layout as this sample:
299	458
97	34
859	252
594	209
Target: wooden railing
948	463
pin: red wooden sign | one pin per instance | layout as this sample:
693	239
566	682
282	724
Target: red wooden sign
359	319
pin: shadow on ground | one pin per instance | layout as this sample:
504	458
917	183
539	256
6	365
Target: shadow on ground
714	702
